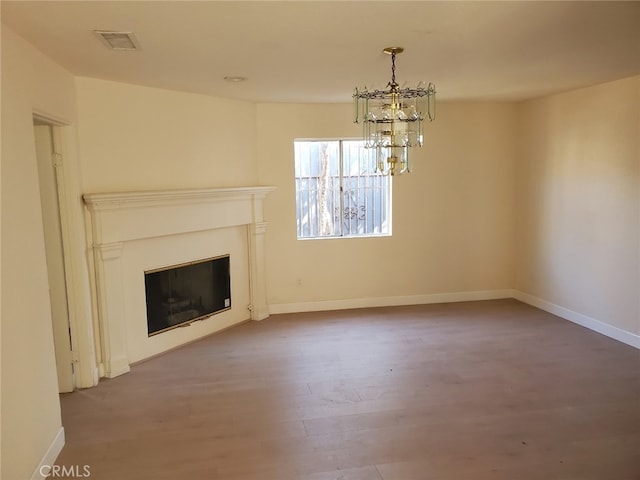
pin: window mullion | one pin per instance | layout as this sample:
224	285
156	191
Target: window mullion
367	189
313	196
341	183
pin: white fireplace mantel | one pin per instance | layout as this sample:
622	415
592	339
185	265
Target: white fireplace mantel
122	219
118	217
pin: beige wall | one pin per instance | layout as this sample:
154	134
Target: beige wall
579	202
453	217
30	404
141	138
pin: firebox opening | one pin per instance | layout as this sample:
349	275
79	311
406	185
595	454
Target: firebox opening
181	294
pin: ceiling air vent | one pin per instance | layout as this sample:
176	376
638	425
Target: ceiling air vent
118	40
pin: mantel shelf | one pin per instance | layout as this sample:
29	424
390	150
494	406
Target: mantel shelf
124	216
115	200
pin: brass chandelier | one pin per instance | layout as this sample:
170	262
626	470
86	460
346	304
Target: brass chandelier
392	119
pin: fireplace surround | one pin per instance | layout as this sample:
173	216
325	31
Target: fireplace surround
137	232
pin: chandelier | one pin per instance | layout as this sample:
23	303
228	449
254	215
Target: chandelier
392	119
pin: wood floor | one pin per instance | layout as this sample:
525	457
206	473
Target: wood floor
478	390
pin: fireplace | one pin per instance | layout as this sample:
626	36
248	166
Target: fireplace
179	295
136	235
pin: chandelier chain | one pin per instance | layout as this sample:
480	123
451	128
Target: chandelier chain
393	68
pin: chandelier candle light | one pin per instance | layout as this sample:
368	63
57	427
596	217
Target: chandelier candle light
392	119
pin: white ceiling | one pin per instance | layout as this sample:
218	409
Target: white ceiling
317	51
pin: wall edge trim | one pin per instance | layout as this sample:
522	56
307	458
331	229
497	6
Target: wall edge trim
591	323
350	303
50	456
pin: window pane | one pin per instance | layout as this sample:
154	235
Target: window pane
317	188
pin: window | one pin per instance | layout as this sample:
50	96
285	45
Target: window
338	192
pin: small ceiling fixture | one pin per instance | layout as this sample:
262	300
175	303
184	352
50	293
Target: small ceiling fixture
392	119
235	79
118	40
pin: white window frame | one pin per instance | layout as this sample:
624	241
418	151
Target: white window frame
371	181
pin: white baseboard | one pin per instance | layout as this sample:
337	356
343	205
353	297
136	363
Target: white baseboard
117	366
388	301
50	456
565	313
583	320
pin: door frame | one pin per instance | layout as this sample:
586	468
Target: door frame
46	158
76	252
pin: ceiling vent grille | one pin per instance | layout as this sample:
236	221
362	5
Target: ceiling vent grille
118	40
